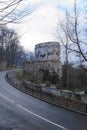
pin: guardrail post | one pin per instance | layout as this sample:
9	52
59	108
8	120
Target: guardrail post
41	93
86	108
67	102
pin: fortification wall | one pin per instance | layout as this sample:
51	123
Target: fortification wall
47	58
37	67
47	51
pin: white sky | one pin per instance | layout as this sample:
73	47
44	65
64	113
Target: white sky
41	24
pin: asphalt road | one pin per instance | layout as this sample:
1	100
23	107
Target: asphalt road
19	111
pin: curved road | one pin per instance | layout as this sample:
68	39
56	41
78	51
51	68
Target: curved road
19	111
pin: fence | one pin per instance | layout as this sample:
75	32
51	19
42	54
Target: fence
37	92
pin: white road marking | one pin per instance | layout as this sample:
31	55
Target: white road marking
23	108
8	99
59	126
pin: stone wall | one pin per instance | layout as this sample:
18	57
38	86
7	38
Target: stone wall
48	51
37	68
31	89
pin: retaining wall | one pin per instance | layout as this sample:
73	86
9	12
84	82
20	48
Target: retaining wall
77	106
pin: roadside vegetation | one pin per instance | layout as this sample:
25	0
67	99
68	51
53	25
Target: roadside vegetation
12	12
19	75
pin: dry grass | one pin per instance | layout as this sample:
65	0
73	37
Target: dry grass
19	75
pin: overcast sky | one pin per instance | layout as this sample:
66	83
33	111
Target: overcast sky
41	24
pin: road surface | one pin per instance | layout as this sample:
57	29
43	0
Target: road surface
19	111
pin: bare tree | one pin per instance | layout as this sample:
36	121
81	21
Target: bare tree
13	11
69	34
10	50
74	34
64	40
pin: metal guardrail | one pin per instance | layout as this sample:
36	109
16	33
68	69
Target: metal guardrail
48	97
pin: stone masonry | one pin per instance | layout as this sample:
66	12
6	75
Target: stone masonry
48	51
47	57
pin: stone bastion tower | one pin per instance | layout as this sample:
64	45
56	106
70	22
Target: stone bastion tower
49	51
47	57
49	54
